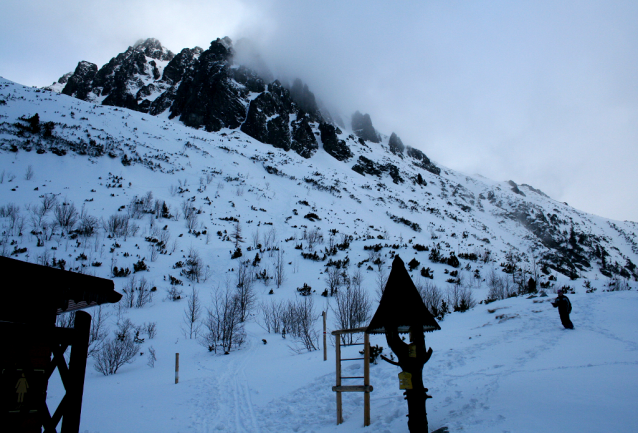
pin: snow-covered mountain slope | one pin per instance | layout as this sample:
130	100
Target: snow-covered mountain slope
305	217
372	194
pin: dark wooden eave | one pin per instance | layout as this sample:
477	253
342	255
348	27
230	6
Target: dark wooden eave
37	291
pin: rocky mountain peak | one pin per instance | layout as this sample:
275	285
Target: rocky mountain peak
153	48
218	88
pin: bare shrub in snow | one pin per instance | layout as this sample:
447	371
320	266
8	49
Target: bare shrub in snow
117	225
137	293
192	314
194	268
279	268
116	352
272	316
28	175
300	321
224	328
499	287
66	215
99	330
245	292
433	298
352	306
88	224
460	297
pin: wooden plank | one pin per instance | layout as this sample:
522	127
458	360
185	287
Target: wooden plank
338	358
348	331
325	347
353	388
366	381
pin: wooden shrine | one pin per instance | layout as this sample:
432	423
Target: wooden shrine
33	347
401	310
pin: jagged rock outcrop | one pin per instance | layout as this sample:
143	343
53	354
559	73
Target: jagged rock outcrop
269	121
336	148
180	65
207	97
127	80
305	99
362	126
80	83
537	191
367	166
420	160
396	145
304	141
515	188
269	115
207	89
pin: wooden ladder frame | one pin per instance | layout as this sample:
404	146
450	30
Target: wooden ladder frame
366	388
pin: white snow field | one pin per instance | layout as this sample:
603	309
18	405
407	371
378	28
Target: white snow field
506	366
522	372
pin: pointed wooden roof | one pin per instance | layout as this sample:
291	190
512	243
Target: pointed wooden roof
401	305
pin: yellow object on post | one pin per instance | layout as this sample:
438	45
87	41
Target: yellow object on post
405	380
412	350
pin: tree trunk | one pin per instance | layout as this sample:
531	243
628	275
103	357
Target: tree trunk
416	397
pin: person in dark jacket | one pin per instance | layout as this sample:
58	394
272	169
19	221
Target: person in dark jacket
564	308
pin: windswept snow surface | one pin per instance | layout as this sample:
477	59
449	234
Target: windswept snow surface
514	369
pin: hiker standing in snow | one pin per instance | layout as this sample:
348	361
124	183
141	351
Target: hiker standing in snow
564	308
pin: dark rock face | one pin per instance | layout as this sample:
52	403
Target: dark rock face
250	79
305	99
180	65
268	120
331	143
207	97
269	115
162	103
366	166
64	78
125	71
537	191
362	126
420	160
396	145
303	139
79	84
515	188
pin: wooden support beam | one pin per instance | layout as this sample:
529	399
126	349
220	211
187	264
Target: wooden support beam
353	388
76	373
348	331
177	368
325	346
366	380
338	358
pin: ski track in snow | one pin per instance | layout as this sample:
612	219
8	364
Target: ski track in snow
222	401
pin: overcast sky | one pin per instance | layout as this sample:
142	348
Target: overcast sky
539	92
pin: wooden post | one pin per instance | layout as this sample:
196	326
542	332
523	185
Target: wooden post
325	347
366	380
177	368
77	371
338	356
